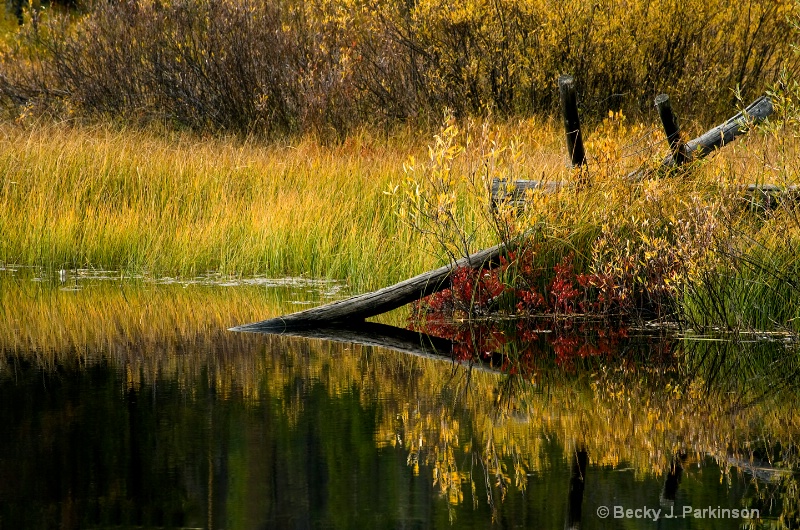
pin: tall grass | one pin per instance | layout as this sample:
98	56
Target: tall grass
166	203
135	201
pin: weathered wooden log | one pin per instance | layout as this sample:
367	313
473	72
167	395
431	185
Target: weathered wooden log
515	192
572	122
769	196
762	196
670	122
357	308
723	134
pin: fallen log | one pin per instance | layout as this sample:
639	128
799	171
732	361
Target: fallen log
756	196
357	308
516	191
769	196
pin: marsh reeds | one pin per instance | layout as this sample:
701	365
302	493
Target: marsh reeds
139	203
374	209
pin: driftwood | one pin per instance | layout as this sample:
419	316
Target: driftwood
357	308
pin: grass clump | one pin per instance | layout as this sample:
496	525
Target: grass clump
134	201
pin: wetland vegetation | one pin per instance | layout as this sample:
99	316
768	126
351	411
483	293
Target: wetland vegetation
171	169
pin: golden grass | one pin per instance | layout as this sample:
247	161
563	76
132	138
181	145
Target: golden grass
135	201
176	204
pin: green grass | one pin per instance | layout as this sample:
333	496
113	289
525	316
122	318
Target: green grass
138	202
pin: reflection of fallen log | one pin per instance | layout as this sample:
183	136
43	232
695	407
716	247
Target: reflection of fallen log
380	335
763	471
357	308
393	338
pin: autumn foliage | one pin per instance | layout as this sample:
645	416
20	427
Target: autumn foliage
289	66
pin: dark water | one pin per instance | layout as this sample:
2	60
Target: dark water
197	427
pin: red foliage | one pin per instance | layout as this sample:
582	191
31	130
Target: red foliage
530	341
563	291
472	292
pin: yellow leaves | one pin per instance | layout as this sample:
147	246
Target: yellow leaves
447	197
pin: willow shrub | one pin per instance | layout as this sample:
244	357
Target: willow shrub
687	246
287	66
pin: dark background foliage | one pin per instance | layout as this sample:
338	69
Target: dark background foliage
282	67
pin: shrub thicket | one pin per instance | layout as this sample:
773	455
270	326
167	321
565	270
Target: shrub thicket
693	247
285	66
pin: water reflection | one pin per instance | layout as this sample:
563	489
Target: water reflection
133	406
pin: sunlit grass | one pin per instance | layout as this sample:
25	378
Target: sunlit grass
172	204
135	201
169	204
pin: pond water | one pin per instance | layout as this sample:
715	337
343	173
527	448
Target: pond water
130	404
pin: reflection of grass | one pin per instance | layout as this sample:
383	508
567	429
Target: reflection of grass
108	317
627	408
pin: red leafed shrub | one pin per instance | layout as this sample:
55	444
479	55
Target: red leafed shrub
471	291
526	341
475	292
563	291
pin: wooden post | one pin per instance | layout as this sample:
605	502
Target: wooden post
572	124
670	123
577	485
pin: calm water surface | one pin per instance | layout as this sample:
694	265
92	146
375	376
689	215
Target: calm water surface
131	405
